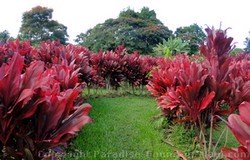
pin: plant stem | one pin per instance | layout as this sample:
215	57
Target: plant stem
88	88
226	137
210	136
202	138
214	150
133	89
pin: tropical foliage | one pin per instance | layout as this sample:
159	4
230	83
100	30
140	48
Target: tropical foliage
196	92
38	110
171	47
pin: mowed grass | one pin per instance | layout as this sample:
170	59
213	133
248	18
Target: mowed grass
122	128
126	128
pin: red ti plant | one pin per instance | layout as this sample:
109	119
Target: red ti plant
35	116
182	88
53	53
136	68
242	56
240	81
197	91
49	52
240	126
230	76
8	49
66	75
108	66
147	65
132	69
160	80
82	59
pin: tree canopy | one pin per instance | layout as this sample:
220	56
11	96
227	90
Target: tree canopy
139	31
193	35
37	25
247	45
4	36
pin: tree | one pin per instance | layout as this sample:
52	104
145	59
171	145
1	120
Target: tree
247	44
37	26
139	31
193	35
5	36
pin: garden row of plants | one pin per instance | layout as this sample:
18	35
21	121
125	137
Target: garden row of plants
104	69
200	93
40	108
41	105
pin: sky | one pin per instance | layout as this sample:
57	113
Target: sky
81	15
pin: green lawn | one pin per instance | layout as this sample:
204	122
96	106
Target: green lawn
123	128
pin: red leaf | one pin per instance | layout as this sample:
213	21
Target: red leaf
206	101
229	153
240	129
25	96
10	79
32	76
244	109
72	124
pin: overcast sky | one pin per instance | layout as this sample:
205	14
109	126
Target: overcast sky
80	15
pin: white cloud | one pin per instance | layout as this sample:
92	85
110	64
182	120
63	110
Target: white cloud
80	15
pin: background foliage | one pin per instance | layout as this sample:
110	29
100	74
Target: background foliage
138	31
5	36
37	26
193	35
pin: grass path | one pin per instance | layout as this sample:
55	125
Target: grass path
123	128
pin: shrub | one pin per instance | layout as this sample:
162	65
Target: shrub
171	47
8	49
185	89
35	115
108	66
194	92
132	67
136	68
